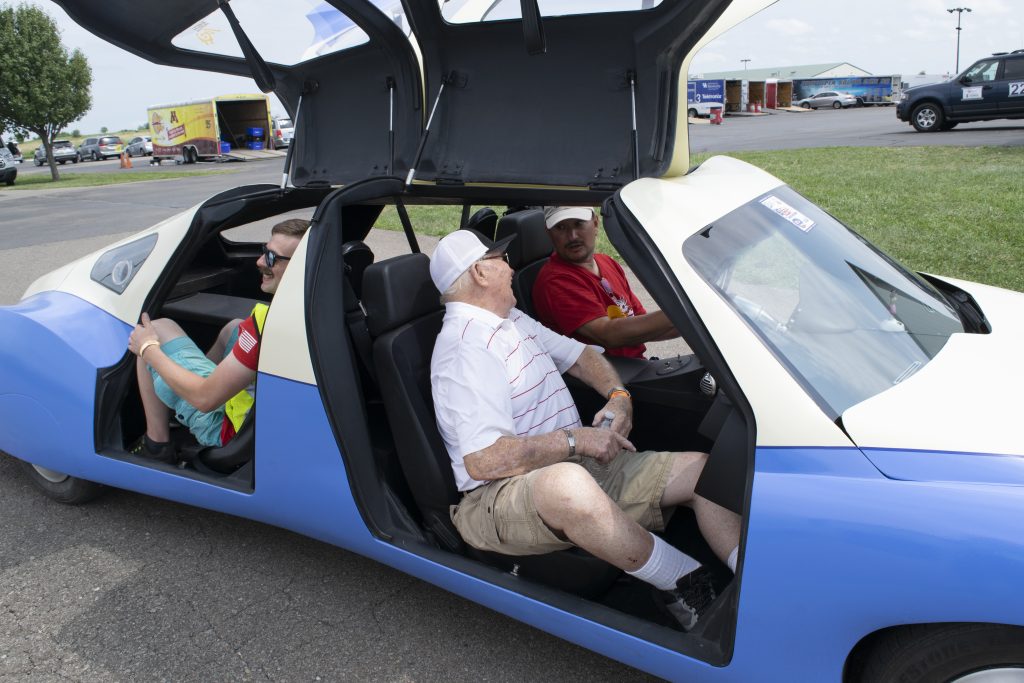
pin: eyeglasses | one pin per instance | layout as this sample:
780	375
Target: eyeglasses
271	258
503	256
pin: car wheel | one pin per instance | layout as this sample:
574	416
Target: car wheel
61	487
837	105
75	160
692	113
927	118
947	652
62	162
95	155
805	105
38	162
10	182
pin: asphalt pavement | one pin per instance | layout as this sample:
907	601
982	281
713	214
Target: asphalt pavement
137	588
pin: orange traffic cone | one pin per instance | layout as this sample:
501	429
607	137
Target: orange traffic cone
126	161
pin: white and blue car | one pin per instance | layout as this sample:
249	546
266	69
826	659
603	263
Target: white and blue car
861	417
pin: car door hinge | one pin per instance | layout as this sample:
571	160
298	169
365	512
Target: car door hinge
450	173
606	178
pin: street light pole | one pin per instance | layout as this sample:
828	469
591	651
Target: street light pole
959	13
747	60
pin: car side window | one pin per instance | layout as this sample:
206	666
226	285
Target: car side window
1014	69
983	71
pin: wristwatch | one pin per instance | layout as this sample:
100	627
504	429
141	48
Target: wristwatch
572	441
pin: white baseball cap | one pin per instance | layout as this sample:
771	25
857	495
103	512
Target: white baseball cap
553	215
457	251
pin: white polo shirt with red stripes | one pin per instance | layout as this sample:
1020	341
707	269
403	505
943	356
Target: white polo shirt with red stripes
494	377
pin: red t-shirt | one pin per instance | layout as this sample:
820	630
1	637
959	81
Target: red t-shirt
568	297
247	351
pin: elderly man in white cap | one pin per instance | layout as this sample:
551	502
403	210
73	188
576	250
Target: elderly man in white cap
516	441
586	296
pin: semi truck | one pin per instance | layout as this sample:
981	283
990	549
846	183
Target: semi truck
869	90
215	128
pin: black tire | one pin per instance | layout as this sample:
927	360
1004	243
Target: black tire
9	182
943	652
62	162
837	105
927	118
37	162
805	105
691	112
95	155
75	160
62	487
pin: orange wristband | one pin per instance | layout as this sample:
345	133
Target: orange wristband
619	392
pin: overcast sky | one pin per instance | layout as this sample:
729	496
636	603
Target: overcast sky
879	36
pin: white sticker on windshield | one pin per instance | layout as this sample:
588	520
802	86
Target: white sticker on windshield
1017	89
973	93
788	212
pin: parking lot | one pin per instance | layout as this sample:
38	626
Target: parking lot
133	587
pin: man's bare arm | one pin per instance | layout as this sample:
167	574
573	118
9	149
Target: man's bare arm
510	456
638	329
594	369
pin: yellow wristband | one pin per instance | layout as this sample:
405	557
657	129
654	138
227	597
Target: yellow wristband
146	345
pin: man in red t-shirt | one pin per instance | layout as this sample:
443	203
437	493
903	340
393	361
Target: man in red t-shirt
208	393
586	296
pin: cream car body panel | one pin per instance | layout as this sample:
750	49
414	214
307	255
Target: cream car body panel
285	349
967	399
76	277
671	211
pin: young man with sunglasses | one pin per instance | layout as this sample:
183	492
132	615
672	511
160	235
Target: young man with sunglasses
586	296
209	393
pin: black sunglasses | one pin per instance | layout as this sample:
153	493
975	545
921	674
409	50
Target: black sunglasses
271	258
503	256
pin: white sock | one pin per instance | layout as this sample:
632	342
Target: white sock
665	566
732	559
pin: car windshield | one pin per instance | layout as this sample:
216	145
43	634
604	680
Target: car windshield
110	141
845	319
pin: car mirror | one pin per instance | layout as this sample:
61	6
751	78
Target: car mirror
965	79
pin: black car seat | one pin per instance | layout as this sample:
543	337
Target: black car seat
527	253
404	316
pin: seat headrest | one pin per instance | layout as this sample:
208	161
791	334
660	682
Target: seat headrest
483	221
357	256
397	291
531	243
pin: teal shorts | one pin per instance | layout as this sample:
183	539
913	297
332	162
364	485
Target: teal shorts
204	426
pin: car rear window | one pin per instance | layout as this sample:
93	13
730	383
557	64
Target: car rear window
61	143
1014	69
110	141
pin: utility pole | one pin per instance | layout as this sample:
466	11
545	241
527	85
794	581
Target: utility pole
959	13
747	60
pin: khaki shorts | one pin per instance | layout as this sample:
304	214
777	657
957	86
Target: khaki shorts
501	517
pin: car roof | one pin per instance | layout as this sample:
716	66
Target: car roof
550	102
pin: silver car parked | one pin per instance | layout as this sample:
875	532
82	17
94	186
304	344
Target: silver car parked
63	152
140	146
836	100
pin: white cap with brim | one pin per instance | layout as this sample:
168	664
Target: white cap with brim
457	251
553	215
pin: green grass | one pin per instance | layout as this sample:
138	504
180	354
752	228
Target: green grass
42	181
953	211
